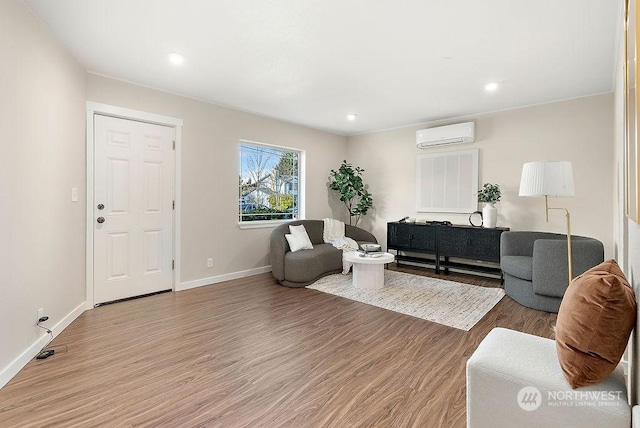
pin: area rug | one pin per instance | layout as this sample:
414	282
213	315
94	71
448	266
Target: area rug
445	302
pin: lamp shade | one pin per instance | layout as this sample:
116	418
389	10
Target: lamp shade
547	178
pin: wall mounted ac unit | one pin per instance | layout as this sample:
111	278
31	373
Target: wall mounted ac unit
450	134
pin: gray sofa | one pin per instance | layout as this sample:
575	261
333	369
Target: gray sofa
534	265
306	266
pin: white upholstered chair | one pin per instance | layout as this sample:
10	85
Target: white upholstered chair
508	361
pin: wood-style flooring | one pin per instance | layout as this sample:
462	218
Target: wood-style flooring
252	353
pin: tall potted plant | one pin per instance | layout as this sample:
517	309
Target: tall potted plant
347	181
489	194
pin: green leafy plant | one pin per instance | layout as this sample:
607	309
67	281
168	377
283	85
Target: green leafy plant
280	202
347	181
489	193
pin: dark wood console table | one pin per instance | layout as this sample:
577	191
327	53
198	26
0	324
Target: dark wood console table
435	244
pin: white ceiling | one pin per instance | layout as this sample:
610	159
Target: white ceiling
394	63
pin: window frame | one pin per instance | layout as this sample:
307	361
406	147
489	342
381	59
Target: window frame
255	224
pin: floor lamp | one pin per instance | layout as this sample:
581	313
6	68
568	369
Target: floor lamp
550	178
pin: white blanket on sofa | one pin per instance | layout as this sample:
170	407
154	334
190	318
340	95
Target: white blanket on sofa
333	233
332	229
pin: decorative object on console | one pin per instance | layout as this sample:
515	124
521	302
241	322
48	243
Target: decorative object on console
438	223
475	219
347	181
489	194
550	178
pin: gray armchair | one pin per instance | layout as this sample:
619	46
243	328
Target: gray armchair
534	265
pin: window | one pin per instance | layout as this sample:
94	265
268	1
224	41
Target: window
270	181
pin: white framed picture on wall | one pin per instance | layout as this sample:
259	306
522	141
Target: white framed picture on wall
447	182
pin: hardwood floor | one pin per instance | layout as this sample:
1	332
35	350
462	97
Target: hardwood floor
250	352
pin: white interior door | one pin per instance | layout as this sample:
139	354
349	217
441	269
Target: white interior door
133	208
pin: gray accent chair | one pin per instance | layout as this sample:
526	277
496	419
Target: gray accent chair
534	265
307	266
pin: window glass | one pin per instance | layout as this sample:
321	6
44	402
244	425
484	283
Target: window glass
269	181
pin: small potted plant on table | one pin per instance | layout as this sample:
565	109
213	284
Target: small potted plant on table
489	194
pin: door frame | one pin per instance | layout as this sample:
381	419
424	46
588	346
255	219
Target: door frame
94	108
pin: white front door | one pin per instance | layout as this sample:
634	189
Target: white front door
133	208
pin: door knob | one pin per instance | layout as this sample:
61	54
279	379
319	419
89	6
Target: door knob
100	206
100	220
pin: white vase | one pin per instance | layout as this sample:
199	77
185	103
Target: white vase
489	215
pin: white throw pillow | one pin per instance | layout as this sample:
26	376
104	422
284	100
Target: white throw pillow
298	242
302	238
298	230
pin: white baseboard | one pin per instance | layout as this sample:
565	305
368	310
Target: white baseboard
221	278
16	365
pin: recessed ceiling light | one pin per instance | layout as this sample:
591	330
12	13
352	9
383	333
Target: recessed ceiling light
176	58
491	86
352	117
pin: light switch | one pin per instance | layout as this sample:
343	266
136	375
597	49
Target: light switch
74	194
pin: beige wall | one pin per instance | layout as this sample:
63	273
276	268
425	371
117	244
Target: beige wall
578	130
210	173
42	156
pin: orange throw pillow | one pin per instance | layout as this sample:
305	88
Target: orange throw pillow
595	319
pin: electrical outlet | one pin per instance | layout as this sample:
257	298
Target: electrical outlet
40	314
209	262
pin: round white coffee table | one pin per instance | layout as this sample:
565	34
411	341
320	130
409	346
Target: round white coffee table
368	271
